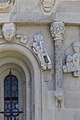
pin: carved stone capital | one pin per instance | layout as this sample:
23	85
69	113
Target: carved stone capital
57	30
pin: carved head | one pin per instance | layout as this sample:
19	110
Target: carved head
38	37
76	47
6	4
8	30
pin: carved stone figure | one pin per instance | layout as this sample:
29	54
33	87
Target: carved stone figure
8	30
73	62
69	64
39	48
22	38
47	5
6	4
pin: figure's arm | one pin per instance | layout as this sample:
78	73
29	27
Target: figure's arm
34	49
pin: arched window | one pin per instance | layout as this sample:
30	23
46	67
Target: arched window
11	105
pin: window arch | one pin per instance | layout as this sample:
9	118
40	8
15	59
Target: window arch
11	105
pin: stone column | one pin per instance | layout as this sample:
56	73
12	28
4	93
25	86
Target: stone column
57	31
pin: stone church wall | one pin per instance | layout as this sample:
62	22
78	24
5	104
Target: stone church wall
47	40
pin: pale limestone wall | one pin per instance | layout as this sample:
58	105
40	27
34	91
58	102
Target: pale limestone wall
30	18
71	84
68	12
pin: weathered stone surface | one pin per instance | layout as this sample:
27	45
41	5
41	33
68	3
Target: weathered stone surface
37	87
73	61
39	48
68	113
57	31
47	5
8	30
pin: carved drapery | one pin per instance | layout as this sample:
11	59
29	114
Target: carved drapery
57	31
39	48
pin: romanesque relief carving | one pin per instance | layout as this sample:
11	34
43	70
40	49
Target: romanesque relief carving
57	32
58	93
47	5
39	49
8	30
22	38
73	61
5	4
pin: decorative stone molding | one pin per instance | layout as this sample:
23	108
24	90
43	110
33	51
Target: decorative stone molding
8	31
57	32
73	61
22	38
6	4
47	5
58	93
39	49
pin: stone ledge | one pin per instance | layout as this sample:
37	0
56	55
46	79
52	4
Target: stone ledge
29	17
68	18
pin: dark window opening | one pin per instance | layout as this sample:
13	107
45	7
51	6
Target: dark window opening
11	105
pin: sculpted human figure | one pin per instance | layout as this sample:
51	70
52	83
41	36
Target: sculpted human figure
40	49
73	62
69	64
8	30
76	56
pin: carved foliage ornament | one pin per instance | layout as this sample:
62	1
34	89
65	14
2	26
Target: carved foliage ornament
40	50
73	61
57	30
4	4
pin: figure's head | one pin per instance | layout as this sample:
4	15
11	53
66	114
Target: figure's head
8	30
38	37
76	47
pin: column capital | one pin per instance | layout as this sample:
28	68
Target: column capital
57	30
